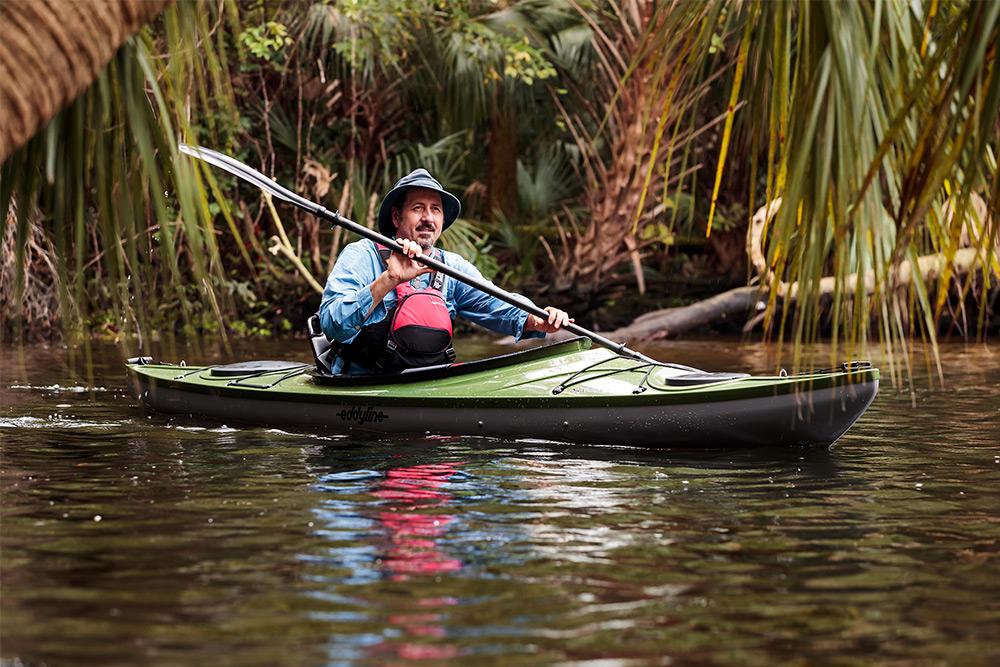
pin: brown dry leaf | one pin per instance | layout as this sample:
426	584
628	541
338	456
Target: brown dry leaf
321	176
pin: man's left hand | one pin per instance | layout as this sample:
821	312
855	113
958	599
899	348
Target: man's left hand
557	320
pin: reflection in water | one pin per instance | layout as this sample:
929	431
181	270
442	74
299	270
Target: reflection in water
403	540
413	534
411	531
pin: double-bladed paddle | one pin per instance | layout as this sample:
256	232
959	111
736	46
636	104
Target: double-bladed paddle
251	175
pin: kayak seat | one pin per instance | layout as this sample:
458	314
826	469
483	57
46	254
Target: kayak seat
324	353
692	379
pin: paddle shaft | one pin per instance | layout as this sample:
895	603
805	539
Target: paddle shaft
251	175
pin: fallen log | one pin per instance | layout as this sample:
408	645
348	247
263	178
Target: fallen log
930	267
752	300
670	322
743	301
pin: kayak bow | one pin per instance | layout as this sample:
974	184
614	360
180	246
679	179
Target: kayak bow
562	392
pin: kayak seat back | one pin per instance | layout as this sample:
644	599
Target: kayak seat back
324	352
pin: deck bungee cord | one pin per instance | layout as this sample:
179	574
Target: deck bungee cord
693	376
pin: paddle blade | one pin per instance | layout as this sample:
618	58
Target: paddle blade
248	174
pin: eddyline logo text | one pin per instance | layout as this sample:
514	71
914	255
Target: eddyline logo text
362	415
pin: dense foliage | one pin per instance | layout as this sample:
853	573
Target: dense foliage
609	157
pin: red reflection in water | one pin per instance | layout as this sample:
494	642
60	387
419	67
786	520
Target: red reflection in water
413	548
413	551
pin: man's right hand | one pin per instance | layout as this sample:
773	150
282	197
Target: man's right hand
401	267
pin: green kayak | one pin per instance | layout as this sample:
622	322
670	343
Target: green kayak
564	392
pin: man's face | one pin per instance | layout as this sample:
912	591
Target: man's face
420	218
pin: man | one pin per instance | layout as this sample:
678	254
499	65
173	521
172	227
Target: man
359	307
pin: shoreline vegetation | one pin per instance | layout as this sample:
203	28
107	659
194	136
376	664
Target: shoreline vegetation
659	171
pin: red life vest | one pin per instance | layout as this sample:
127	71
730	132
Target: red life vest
416	332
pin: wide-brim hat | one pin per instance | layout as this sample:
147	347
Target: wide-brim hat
418	178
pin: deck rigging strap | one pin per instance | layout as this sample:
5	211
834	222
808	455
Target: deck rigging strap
198	369
289	372
691	376
575	378
239	382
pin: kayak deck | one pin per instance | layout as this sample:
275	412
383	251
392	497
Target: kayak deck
563	392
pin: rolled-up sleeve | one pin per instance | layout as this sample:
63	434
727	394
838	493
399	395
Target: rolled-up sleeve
347	297
488	311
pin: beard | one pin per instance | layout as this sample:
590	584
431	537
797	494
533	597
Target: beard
425	237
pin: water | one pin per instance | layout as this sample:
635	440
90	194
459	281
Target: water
129	539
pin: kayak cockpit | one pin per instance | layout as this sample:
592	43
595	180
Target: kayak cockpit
241	372
443	371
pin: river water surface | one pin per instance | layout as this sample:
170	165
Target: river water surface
131	539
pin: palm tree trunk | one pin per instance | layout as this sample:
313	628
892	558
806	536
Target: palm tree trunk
614	196
502	163
52	50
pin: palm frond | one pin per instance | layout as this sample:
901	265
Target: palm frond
542	186
130	221
880	120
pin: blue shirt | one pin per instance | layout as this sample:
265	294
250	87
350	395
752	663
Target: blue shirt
348	298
